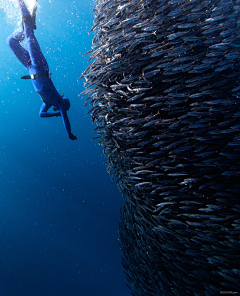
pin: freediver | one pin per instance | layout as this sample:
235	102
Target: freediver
36	64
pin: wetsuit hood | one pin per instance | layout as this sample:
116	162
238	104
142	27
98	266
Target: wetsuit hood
67	102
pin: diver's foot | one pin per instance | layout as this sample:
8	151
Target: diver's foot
29	18
25	19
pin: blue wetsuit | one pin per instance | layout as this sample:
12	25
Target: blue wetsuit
36	64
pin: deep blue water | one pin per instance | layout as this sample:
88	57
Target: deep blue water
59	210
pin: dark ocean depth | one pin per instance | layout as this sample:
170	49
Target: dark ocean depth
59	210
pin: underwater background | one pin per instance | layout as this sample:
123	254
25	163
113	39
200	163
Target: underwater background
59	210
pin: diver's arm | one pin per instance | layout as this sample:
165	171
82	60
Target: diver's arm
43	111
66	122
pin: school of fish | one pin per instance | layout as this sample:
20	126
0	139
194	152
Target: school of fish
163	84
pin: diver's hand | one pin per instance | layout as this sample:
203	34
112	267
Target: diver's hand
57	114
72	137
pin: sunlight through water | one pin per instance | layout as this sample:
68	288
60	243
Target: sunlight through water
12	11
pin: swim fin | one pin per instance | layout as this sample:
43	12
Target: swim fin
34	13
31	18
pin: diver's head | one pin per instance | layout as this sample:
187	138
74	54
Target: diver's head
67	103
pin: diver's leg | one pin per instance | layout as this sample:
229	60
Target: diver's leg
14	43
37	58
